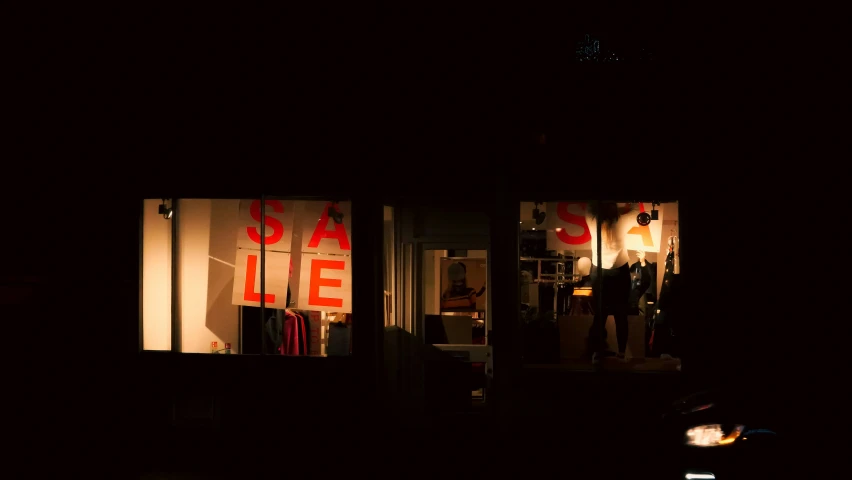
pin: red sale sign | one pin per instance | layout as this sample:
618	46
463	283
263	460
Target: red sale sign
278	225
567	229
320	232
328	279
247	279
312	235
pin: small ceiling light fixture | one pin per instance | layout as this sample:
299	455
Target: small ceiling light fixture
645	218
538	215
335	213
165	211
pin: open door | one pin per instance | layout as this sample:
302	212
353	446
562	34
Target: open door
452	314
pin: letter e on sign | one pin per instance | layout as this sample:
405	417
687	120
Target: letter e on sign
325	283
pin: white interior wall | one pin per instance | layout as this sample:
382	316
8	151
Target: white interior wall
207	246
156	278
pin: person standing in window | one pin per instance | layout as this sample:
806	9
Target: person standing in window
613	265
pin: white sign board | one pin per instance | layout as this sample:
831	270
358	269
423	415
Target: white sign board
567	229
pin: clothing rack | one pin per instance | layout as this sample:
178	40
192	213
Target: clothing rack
557	278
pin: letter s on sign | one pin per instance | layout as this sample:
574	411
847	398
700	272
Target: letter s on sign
572	218
272	222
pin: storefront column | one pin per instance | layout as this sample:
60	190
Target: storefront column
367	294
505	299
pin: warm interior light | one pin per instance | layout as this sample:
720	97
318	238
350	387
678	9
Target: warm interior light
700	476
712	435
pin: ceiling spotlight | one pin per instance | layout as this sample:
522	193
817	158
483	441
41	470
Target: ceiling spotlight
655	214
538	215
165	211
334	212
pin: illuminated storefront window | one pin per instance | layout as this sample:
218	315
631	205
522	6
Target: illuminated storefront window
623	319
251	276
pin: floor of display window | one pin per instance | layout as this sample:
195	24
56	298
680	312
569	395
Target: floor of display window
614	364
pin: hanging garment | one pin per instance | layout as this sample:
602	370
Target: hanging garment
665	315
294	335
304	331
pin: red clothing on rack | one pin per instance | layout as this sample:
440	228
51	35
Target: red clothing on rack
295	335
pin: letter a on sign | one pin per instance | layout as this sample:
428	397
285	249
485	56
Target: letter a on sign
321	234
646	237
326	283
247	279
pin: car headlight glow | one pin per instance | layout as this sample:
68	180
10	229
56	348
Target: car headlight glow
713	435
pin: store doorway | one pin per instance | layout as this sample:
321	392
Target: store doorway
453	317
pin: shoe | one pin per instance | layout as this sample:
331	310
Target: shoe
666	356
621	357
597	356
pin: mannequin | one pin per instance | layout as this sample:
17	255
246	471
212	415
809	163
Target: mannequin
582	305
613	289
666	313
643	293
584	269
643	284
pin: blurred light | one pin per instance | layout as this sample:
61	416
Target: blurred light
698	408
558	229
700	476
712	435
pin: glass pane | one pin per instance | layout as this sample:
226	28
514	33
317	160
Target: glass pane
156	275
308	255
207	256
573	318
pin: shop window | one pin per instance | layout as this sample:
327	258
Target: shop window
156	307
563	304
271	276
